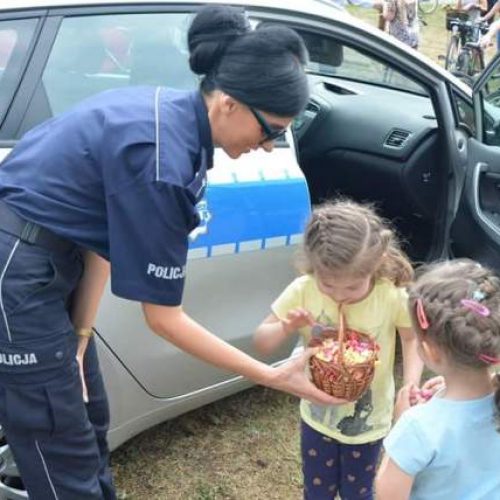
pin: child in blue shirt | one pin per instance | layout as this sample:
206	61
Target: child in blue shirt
449	447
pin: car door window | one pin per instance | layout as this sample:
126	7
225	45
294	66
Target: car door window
465	113
330	58
16	37
490	98
95	53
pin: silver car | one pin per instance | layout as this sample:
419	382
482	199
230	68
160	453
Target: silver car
384	124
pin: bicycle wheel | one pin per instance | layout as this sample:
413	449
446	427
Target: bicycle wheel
427	6
476	63
463	64
452	52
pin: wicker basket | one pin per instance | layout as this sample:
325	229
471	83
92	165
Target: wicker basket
346	381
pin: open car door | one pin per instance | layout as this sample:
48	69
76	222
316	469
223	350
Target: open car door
475	231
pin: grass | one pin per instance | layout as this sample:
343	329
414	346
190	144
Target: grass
243	447
246	446
433	37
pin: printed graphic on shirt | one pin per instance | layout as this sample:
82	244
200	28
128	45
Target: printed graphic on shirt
356	423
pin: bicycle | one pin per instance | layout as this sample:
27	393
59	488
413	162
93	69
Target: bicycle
464	55
427	6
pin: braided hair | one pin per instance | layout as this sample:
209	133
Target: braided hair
469	338
345	238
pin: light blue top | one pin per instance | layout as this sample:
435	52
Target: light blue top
451	448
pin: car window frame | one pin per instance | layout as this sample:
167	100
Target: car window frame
371	57
347	35
7	96
455	96
373	46
24	104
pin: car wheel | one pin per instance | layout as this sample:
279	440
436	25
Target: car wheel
11	485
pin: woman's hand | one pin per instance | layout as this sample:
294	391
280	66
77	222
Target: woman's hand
295	319
291	378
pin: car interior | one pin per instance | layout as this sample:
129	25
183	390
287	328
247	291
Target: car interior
372	139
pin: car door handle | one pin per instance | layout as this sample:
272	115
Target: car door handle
489	222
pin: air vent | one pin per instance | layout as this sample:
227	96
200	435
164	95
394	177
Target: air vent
312	107
396	138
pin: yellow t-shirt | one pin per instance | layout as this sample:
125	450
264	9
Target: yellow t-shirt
378	314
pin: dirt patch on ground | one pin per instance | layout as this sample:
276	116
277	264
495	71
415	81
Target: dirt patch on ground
246	446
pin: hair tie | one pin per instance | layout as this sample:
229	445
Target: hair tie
478	295
475	307
490	360
421	316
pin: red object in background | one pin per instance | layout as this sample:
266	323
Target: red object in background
8	39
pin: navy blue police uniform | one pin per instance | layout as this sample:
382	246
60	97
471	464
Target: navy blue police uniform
120	175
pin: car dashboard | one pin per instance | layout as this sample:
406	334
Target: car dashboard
371	119
376	144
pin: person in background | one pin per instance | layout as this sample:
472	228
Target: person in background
473	8
494	30
367	4
351	260
448	448
402	20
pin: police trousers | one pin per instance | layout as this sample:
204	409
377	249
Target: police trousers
58	442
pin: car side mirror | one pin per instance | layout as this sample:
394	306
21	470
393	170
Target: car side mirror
323	50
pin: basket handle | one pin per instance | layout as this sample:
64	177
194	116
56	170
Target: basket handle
341	335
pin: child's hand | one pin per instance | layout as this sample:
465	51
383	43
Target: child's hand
295	319
433	385
423	394
419	396
402	400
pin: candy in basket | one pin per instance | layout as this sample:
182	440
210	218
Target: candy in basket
345	364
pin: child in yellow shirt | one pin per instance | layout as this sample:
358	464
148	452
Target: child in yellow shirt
350	258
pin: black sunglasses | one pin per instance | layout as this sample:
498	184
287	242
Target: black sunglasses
270	133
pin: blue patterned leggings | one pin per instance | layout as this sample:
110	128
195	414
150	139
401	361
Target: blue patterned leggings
332	468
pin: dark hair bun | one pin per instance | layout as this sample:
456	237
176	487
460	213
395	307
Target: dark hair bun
212	29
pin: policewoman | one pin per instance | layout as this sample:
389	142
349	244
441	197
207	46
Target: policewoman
119	177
